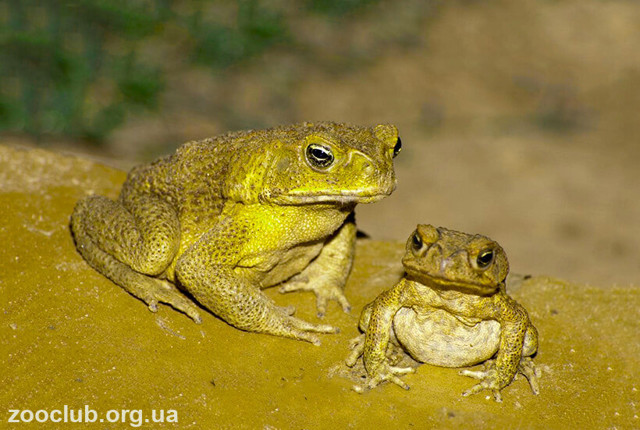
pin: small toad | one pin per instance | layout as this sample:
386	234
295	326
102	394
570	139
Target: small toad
451	309
225	217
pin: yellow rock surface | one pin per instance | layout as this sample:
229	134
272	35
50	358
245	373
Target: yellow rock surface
71	337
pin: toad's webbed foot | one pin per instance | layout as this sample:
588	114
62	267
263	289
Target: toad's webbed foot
490	378
324	287
286	325
157	291
384	372
529	370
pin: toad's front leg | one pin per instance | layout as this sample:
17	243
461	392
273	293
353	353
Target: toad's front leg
327	274
518	339
490	377
230	294
377	320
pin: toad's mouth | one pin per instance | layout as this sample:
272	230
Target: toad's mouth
341	198
436	280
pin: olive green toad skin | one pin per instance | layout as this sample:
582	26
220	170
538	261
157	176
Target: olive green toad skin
227	216
451	309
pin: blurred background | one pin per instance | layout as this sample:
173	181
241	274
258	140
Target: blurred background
520	119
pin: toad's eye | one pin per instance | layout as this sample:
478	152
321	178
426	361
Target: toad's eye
416	241
485	258
319	156
397	148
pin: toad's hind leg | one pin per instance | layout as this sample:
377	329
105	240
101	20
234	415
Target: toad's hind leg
130	247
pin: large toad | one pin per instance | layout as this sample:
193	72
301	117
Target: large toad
225	217
452	310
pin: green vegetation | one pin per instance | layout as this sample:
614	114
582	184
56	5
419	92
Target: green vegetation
75	69
220	45
72	69
337	7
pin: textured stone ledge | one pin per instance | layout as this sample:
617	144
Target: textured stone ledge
71	337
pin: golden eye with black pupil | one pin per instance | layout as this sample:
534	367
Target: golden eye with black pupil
485	258
319	156
397	148
416	242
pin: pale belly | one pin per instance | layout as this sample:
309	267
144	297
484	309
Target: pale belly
442	340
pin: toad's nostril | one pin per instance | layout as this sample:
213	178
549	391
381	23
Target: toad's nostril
362	164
